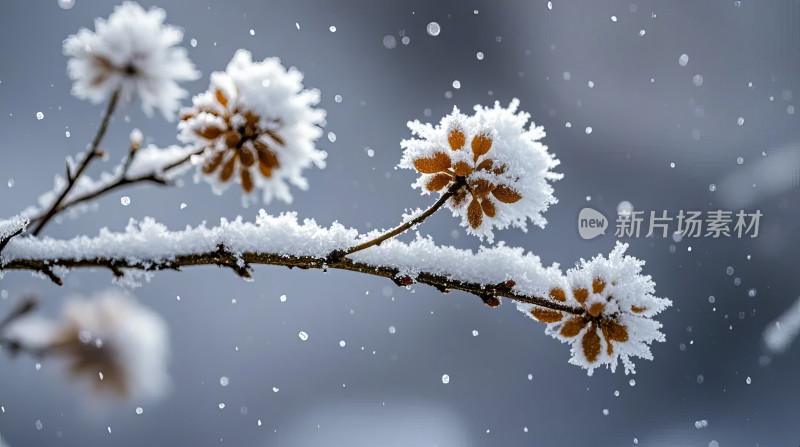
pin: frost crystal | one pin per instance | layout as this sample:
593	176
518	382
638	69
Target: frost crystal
258	125
132	51
618	308
503	167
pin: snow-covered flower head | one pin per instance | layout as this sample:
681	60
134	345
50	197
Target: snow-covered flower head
133	52
257	125
118	345
499	166
616	309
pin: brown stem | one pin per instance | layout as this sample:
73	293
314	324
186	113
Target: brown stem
241	266
459	182
129	159
90	155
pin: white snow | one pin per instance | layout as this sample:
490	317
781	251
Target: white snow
132	51
9	227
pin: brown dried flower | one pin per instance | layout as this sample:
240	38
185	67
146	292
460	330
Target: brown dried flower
476	187
495	158
257	126
236	138
594	316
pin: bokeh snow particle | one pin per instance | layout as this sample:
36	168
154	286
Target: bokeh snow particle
389	41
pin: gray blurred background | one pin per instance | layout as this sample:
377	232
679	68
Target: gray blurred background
511	384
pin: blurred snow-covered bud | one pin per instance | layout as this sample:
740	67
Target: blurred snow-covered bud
136	138
258	126
118	345
503	167
616	309
133	52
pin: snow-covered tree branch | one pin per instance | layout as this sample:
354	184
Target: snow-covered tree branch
256	126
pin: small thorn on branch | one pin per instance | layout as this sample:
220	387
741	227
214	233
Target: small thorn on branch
334	256
228	259
403	281
490	300
441	288
48	271
170	266
70	179
506	286
118	273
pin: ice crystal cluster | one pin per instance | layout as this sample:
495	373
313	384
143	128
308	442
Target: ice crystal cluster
257	125
501	165
133	52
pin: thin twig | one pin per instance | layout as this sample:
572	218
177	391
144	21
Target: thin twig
4	241
90	155
489	293
24	307
459	182
123	180
129	159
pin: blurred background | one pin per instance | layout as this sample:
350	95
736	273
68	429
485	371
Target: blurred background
629	116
